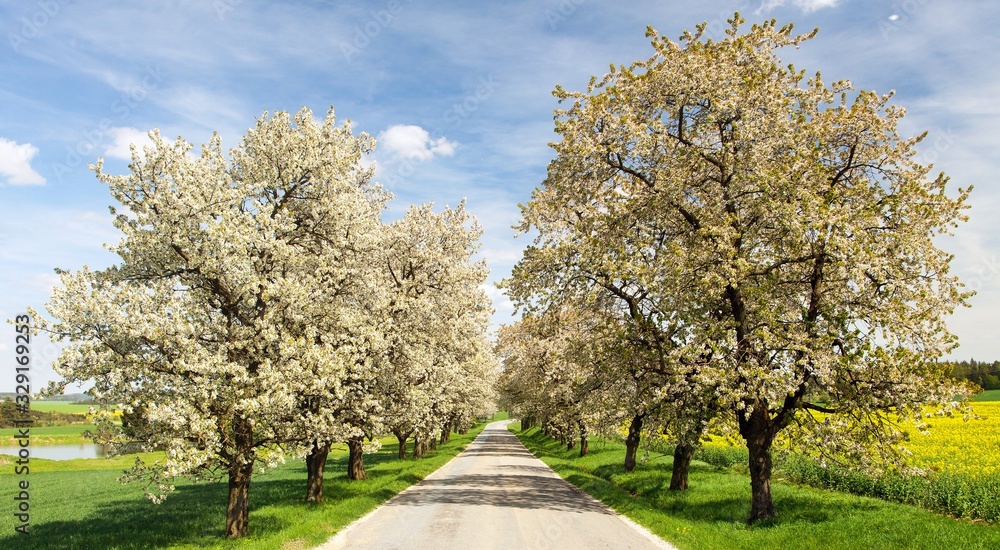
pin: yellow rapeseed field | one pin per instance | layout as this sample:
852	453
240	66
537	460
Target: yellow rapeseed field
957	446
952	445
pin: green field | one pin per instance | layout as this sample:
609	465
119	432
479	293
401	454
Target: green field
79	504
712	512
987	395
60	407
48	435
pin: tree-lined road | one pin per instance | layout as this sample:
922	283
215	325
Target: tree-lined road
493	495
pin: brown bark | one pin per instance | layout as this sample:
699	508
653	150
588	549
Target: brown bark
761	502
432	442
401	437
315	464
238	509
418	446
758	430
682	464
632	442
446	432
584	440
355	460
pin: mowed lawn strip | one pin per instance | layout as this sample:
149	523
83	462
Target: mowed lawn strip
712	512
79	504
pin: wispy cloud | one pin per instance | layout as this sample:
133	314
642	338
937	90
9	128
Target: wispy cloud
15	163
807	6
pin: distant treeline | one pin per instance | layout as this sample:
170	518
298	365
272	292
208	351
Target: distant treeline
986	375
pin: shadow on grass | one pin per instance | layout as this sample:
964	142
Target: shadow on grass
715	496
194	514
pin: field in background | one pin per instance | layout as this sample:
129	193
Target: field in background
60	407
988	395
969	447
48	435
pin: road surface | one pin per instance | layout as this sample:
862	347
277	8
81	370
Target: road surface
495	494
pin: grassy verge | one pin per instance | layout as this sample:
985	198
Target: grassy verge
78	504
712	512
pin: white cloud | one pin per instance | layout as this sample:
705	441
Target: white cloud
15	163
413	142
501	303
807	6
121	138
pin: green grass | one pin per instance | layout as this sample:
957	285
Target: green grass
712	512
987	395
79	504
48	435
64	407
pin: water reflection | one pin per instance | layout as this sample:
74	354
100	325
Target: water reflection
60	452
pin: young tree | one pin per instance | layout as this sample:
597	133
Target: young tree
208	323
801	228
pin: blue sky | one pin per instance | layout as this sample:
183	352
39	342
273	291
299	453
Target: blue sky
458	93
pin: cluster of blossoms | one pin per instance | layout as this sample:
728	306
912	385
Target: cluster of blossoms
262	307
764	245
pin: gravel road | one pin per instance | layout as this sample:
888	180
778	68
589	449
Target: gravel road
493	495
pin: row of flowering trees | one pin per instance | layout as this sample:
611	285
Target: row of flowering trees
261	307
721	239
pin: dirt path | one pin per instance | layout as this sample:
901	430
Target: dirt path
493	495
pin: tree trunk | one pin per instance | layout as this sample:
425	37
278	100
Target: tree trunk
401	437
584	440
761	503
632	442
356	461
418	446
315	464
758	431
446	432
682	463
432	442
570	443
238	509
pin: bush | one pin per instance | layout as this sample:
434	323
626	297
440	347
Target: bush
959	495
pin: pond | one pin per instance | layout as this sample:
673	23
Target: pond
60	452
